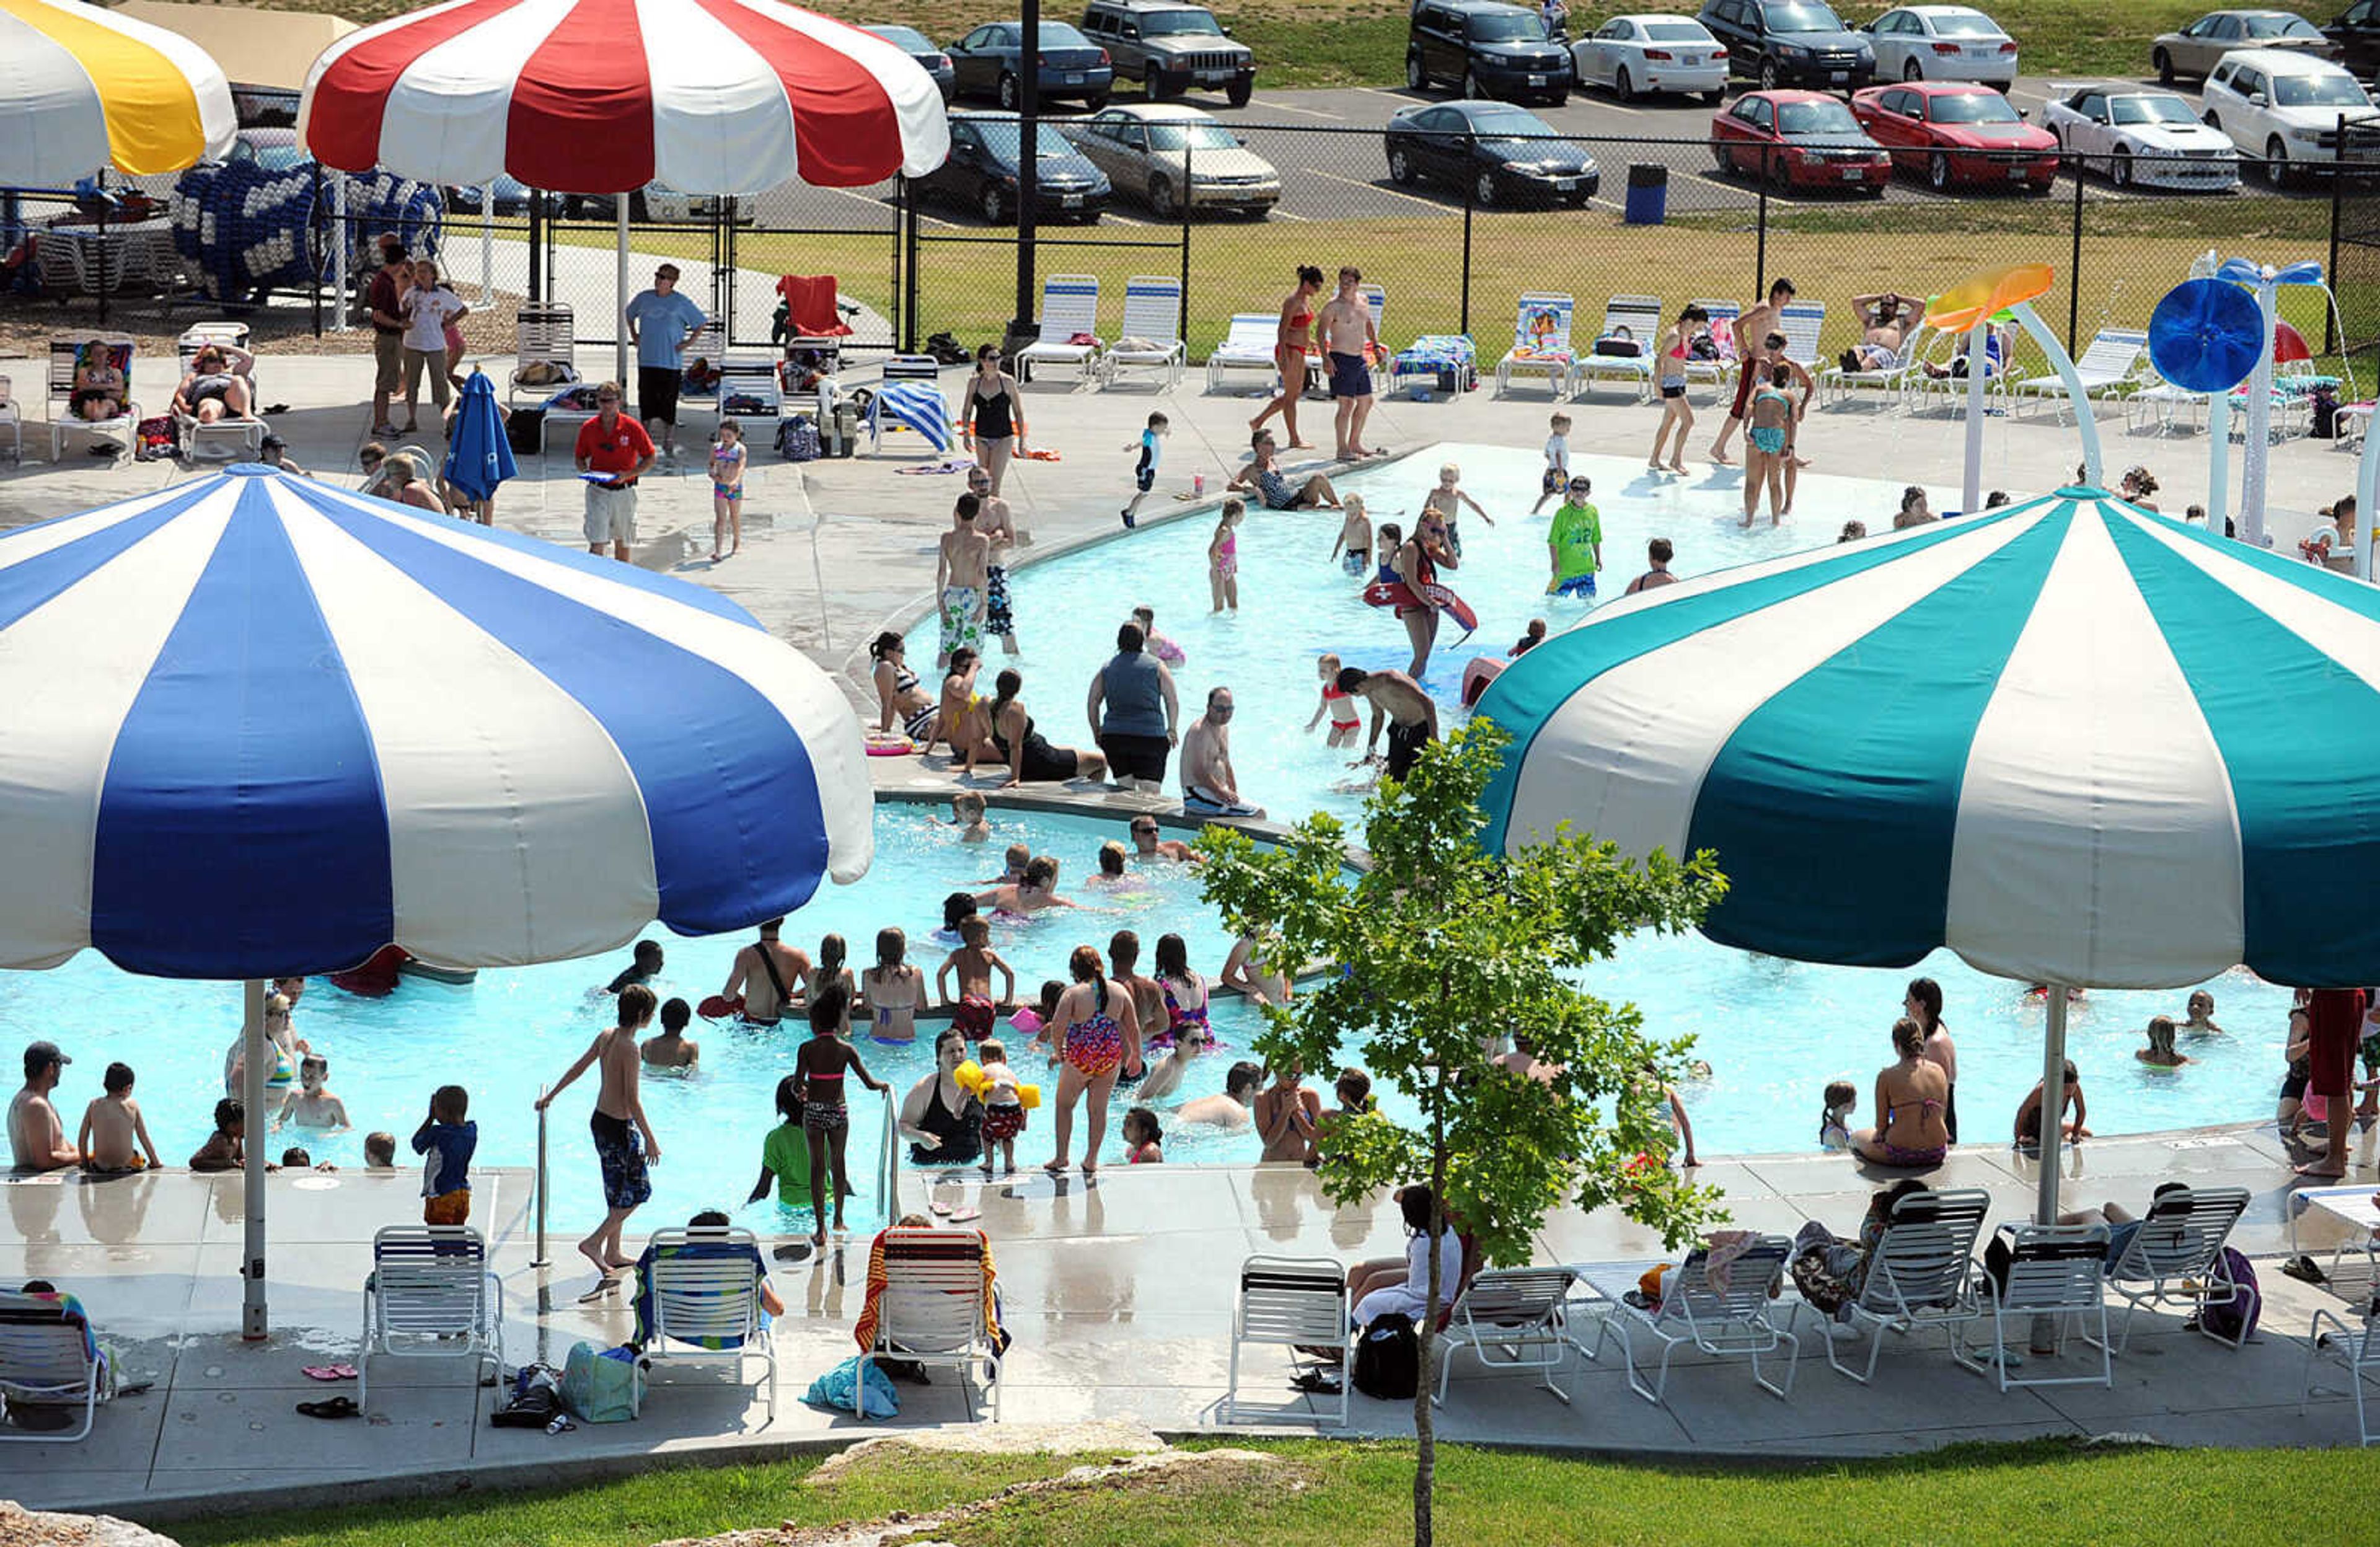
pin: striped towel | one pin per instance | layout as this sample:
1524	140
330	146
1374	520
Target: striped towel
969	1243
1437	351
918	405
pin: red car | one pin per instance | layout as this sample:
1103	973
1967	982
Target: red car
1798	140
1957	132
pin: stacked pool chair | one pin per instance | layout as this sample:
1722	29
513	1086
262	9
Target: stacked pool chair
249	231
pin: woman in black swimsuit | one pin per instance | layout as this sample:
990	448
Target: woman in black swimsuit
992	417
1022	748
826	1121
941	1110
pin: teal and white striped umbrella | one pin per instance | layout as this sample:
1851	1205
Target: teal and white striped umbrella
2073	742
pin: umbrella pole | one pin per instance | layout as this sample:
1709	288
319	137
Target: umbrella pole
251	1096
1977	353
620	310
2053	1104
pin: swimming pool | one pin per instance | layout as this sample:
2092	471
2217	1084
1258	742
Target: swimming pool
1775	1031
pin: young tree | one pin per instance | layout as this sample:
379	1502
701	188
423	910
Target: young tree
1446	951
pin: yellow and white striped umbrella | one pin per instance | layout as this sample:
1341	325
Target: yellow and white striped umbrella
81	89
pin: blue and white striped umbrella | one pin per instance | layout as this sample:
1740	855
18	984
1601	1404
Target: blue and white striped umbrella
2074	742
259	724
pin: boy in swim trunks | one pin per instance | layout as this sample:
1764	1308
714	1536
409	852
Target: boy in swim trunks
966	815
1350	339
673	1049
1003	1106
311	1105
616	1125
1352	550
112	1126
975	961
1144	473
1555	478
1575	542
446	1140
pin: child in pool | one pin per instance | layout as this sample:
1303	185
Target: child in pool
975	961
1003	1105
2201	1021
1112	856
1155	643
1446	502
113	1127
1033	1017
1835	1124
831	973
225	1147
1143	1139
893	990
311	1105
2160	1053
1223	558
1392	537
1352	550
822	1063
966	815
1345	723
1012	866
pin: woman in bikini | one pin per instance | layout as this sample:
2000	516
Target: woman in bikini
1770	415
960	719
1671	366
1095	1033
892	992
900	694
992	415
821	1065
1289	351
1910	1096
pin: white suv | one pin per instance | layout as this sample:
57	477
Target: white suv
2284	106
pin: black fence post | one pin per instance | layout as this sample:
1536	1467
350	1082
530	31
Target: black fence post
536	233
1469	159
2330	340
2074	272
1760	239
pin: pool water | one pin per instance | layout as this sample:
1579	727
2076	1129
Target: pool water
514	1030
1774	1031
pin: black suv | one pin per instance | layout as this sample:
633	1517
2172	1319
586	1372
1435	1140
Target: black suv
1789	42
1492	50
2357	33
1171	46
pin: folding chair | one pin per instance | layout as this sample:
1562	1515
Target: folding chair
749	393
1448	359
810	319
1720	371
1802	324
2358	1348
48	1356
1728	1319
429	1294
2058	1271
1512	1318
910	397
1921	1273
1152	317
59	408
708	345
931	1309
1289	1302
1891	383
1070	311
12	419
1641	315
704	1286
544	337
2176	1258
1247	346
2110	363
1540	342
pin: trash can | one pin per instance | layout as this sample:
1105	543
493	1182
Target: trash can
1648	193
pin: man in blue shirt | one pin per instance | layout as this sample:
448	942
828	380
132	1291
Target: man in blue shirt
660	323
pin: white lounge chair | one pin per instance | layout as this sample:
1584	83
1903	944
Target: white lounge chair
12	419
1728	1320
708	345
1069	310
1804	323
543	336
48	1356
910	397
1641	315
429	1294
231	437
1540	342
1921	1273
1512	1318
1152	316
2355	1346
931	1307
2111	363
1720	371
1289	1302
1891	383
749	393
1247	346
2058	1271
59	408
2176	1258
705	1287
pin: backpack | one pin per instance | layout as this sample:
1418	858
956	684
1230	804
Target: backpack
2234	1320
1388	1358
797	439
156	438
536	1399
946	349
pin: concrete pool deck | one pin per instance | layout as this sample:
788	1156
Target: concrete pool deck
1118	1293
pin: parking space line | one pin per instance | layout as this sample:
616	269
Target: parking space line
1310	111
1394	96
1123	219
1280	213
1392	193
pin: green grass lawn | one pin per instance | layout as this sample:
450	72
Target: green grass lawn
1349	1495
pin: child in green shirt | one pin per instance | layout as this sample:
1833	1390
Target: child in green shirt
1575	542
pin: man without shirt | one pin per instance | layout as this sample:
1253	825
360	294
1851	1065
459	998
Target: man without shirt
765	974
962	565
1757	322
1210	785
1348	336
1410	714
616	1124
37	1139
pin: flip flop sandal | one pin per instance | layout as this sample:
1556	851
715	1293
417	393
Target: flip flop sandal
1319	1381
962	1216
2304	1268
334	1407
329	1372
940	1208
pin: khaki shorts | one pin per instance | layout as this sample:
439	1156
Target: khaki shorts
388	361
611	514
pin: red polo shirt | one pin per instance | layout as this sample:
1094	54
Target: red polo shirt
617	451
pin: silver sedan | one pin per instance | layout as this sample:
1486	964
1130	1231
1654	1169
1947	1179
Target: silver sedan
1173	156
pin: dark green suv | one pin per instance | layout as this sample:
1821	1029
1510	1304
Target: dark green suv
1171	47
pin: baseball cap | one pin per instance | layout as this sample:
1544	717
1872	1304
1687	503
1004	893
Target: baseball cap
40	1055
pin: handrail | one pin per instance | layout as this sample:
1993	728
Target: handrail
888	1174
540	1259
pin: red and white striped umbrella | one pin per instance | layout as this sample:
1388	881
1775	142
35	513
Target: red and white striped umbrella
604	96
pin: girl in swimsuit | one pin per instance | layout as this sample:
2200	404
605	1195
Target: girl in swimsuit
1763	466
1143	1137
821	1065
727	462
1027	754
1908	1100
959	719
1223	558
1094	1032
992	417
831	973
894	990
899	694
1670	364
1186	996
1288	352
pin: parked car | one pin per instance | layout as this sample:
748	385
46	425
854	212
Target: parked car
1503	154
655	203
921	48
2355	34
1633	53
2143	136
1787	42
2199	47
981	172
504	194
275	150
2284	106
1488	49
1072	67
1153	149
1799	140
1957	134
1171	46
1942	43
